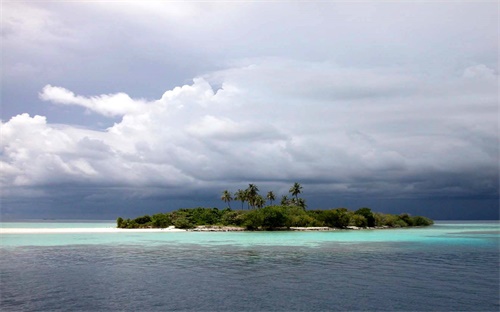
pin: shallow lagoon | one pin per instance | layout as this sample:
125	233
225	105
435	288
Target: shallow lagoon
448	232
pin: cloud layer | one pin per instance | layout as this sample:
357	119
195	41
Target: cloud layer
346	131
394	100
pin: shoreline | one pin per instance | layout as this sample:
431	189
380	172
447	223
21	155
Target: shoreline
171	229
82	230
204	228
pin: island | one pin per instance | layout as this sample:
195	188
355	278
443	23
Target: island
289	214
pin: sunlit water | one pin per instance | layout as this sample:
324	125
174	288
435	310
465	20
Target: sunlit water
447	267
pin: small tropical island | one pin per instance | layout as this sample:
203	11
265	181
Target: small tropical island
289	214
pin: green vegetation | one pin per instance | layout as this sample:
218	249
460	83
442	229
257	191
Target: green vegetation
290	213
272	218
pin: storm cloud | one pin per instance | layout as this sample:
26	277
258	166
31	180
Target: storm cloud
273	98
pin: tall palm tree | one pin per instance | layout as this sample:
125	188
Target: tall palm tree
252	191
271	197
240	195
296	190
226	197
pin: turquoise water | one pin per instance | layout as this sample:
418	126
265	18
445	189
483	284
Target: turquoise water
449	232
451	266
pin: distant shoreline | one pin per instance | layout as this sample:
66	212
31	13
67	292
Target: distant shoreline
204	228
171	229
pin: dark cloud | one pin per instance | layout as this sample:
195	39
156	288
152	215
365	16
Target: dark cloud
383	103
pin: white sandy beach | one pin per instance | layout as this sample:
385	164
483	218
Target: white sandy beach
81	230
169	229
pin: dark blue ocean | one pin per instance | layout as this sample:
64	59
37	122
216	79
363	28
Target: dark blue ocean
451	266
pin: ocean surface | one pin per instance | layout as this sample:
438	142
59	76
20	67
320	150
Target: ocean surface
451	266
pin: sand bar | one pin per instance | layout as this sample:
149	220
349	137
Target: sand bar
82	230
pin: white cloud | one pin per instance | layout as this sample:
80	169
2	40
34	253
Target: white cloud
108	105
480	71
349	130
225	129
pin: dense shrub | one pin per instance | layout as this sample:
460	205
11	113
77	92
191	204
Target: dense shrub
183	223
386	219
367	213
400	223
119	222
230	217
339	218
406	218
302	220
358	220
161	220
271	217
421	221
253	220
143	220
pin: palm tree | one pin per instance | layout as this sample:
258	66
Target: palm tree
240	195
247	198
226	197
296	190
259	201
302	203
252	191
284	200
271	197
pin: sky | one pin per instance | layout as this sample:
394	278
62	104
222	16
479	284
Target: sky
126	108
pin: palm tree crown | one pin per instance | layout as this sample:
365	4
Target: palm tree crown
271	196
226	197
255	200
241	196
296	190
